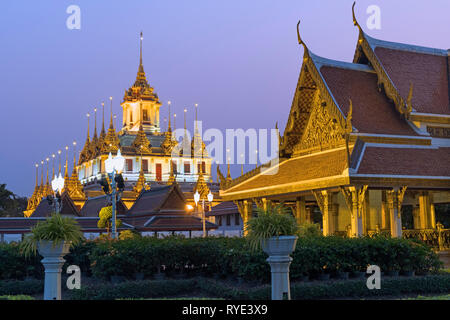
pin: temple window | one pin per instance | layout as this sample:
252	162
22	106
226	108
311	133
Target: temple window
129	165
145	165
236	219
228	219
187	167
145	115
174	167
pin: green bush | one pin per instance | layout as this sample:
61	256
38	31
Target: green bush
15	287
299	291
132	289
227	257
16	297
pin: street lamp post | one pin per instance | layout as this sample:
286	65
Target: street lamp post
57	186
197	199
113	166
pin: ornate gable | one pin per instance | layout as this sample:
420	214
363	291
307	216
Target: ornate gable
323	130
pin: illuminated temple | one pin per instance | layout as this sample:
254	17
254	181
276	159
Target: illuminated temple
363	139
157	166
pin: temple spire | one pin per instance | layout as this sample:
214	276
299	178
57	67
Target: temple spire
141	67
169	128
53	165
66	173
103	120
59	160
111	122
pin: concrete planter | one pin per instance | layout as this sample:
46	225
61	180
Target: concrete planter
279	246
279	249
53	262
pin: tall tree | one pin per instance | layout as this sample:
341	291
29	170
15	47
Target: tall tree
10	204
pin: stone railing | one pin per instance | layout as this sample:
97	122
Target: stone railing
438	238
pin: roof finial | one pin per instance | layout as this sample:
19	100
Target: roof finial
111	124
300	41
355	22
140	53
169	128
409	99
103	116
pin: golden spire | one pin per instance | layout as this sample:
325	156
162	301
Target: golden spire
228	167
53	165
33	201
94	146
85	152
74	157
48	188
198	146
168	144
141	80
141	141
74	187
140	183
59	160
169	128
112	142
101	140
66	172
201	185
172	176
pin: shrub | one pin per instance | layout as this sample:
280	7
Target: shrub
56	229
271	222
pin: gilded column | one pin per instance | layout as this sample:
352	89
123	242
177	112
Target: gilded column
385	220
395	199
425	210
300	210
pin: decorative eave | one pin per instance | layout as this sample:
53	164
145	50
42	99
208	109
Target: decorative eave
365	47
310	67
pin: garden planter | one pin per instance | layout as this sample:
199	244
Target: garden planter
279	249
53	262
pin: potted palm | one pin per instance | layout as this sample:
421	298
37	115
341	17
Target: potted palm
274	231
52	238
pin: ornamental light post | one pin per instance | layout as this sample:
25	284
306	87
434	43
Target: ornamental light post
197	199
113	166
57	186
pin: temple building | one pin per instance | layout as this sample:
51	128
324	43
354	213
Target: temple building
153	159
362	139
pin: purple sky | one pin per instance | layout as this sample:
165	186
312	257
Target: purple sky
239	60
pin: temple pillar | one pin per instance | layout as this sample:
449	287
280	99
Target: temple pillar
325	200
300	210
245	208
385	220
426	211
416	217
308	215
335	215
354	197
395	199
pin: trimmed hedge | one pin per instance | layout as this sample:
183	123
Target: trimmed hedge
27	287
226	257
134	289
299	291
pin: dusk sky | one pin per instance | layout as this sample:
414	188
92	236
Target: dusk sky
239	60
